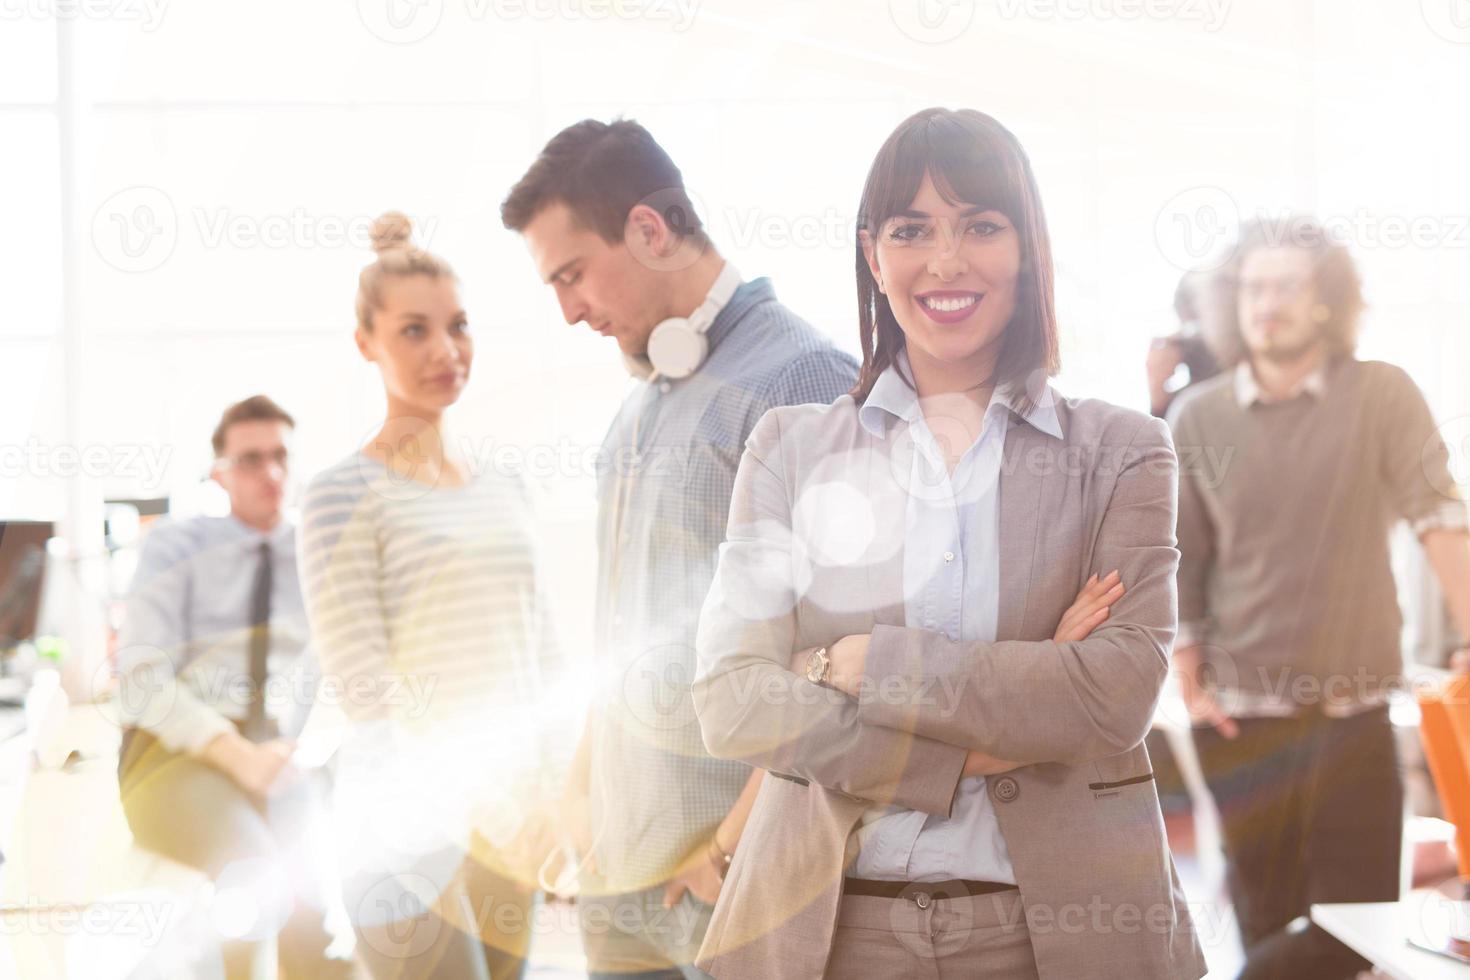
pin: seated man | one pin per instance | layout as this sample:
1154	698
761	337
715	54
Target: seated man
214	624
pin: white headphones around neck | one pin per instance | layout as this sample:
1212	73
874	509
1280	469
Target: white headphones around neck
678	346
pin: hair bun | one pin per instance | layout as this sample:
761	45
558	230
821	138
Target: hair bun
391	231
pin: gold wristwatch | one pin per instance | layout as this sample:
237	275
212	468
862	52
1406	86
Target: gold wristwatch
818	666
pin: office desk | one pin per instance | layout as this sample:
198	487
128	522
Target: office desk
1379	931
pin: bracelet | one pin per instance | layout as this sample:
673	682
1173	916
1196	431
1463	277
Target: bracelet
719	858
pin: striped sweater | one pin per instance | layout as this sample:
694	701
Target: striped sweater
433	634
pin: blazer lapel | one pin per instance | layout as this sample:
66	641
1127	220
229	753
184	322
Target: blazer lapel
1021	486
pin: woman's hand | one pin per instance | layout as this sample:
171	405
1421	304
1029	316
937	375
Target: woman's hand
978	763
1090	608
1164	358
1086	613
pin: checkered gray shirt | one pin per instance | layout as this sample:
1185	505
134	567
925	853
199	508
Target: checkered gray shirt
656	793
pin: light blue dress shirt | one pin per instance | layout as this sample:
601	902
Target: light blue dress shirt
183	653
951	579
657	794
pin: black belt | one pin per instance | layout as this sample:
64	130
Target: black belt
936	891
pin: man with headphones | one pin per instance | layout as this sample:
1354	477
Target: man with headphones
611	229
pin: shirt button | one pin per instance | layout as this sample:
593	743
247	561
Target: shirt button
1007	789
664	387
948	557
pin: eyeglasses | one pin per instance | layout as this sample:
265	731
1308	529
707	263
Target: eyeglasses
1287	289
255	460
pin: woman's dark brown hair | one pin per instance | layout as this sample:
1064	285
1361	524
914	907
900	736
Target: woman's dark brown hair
973	160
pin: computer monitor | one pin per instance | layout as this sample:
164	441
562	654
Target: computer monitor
22	574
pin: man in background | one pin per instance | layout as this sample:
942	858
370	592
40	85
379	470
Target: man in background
213	640
1294	468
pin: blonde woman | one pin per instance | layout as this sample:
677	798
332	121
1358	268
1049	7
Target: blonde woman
421	582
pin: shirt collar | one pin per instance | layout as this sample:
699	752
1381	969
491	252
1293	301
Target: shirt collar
282	534
892	398
1248	390
747	296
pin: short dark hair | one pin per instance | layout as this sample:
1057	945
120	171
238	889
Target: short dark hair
1334	274
256	408
601	171
973	159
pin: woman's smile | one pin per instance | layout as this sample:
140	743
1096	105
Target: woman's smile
948	305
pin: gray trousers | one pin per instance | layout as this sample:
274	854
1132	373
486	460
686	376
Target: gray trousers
633	936
980	937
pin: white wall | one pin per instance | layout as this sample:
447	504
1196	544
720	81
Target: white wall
234	124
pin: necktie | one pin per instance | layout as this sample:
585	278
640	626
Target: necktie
256	727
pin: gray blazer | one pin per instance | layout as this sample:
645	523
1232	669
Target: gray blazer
815	552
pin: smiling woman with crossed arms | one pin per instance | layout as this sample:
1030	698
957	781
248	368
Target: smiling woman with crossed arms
920	622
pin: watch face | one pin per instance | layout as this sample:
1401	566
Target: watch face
816	666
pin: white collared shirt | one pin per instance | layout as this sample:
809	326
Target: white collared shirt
951	580
1248	390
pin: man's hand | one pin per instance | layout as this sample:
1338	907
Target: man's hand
698	876
1460	661
1164	358
574	822
1198	701
262	770
574	816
